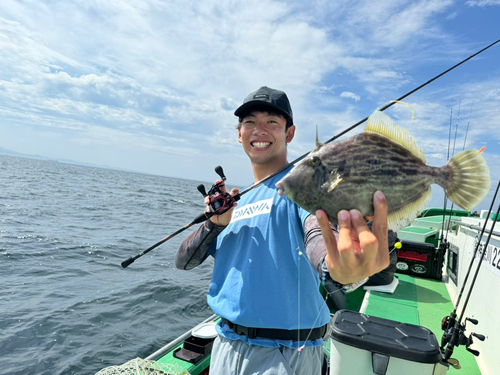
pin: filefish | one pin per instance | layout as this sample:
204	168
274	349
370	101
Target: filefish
345	174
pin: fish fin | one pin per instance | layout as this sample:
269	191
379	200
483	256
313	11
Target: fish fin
404	216
318	143
471	179
382	124
334	181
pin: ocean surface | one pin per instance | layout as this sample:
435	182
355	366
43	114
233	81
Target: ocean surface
66	304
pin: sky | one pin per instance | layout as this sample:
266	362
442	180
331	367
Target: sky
151	86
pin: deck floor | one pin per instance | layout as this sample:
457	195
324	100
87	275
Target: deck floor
423	302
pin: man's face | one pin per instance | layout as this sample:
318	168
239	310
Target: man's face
264	137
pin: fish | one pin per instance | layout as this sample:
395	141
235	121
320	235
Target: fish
345	174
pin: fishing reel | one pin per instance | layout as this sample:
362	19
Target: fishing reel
220	201
454	335
447	324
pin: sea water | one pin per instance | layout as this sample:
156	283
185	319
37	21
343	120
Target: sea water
66	304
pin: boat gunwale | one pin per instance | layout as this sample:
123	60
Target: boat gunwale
172	344
475	227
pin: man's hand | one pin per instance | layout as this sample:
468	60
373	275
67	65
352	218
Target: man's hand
358	253
224	219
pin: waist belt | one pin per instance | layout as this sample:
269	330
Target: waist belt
277	334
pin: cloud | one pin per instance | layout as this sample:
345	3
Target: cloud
348	94
165	77
482	3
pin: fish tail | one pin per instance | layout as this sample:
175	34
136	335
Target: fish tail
470	179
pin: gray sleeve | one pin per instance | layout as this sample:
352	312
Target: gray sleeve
194	249
314	243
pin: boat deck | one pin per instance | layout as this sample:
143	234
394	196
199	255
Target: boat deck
416	300
422	302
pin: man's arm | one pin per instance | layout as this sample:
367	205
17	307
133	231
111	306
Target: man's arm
314	243
194	249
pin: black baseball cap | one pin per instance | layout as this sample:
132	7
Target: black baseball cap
267	96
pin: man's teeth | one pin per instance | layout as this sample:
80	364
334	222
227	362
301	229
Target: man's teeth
261	144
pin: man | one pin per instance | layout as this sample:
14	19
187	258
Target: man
265	283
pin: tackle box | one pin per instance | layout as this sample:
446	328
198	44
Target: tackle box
420	259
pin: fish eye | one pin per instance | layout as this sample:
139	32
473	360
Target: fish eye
314	160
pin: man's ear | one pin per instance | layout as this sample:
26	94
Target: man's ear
290	133
239	135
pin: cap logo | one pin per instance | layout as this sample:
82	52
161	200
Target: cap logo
261	96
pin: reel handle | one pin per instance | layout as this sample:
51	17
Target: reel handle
478	336
220	172
201	189
474	352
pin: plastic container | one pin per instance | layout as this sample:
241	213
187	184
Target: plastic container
362	344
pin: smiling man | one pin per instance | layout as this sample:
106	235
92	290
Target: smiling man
269	256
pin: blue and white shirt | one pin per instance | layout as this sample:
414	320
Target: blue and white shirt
262	277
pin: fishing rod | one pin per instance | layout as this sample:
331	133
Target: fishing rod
442	243
449	321
453	154
452	204
206	215
220	202
454	331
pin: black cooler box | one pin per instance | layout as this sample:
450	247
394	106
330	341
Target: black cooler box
420	259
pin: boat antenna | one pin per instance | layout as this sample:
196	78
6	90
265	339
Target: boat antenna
206	215
453	329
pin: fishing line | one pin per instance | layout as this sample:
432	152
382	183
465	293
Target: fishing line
300	253
299	256
449	323
206	215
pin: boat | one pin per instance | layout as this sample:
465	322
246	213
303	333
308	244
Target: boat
434	256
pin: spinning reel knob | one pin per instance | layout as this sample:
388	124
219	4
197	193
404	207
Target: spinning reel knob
220	172
478	336
475	352
473	321
201	189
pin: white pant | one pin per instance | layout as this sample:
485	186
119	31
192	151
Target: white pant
235	357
